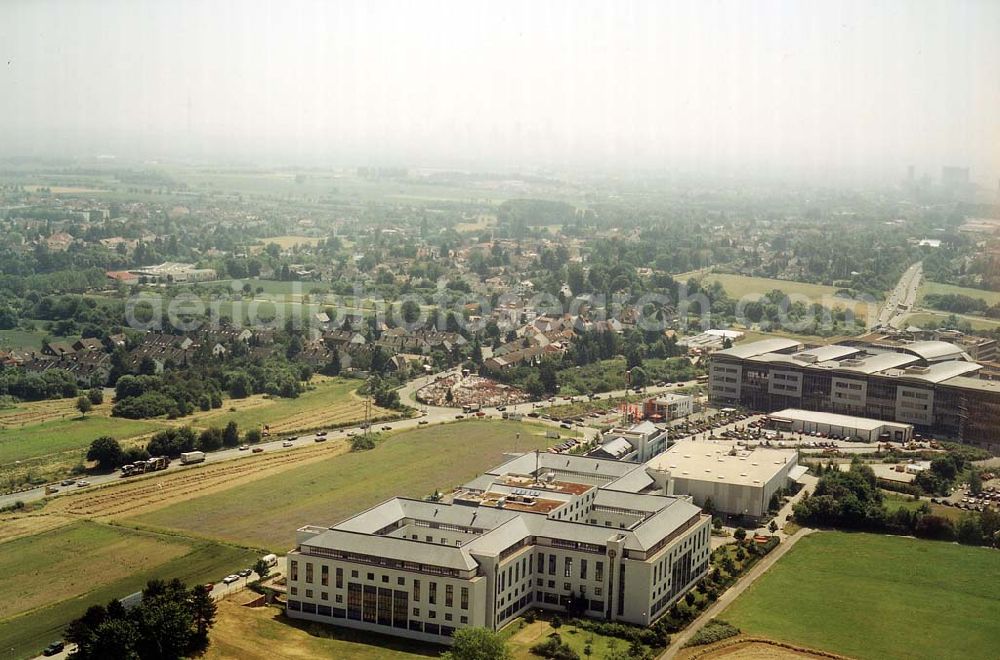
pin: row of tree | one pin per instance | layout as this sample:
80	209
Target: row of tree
853	500
109	454
170	622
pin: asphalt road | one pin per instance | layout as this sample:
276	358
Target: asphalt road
901	299
426	415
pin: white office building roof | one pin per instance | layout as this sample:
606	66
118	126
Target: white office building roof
722	462
771	345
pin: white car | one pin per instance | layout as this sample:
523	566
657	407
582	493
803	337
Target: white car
229	579
244	447
82	483
286	443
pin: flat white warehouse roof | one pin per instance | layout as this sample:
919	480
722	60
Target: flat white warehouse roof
711	461
833	419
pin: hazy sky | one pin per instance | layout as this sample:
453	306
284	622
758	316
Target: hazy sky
805	86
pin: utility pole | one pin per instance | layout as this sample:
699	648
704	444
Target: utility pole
368	407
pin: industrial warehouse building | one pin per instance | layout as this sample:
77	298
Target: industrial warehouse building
542	530
870	430
740	482
932	385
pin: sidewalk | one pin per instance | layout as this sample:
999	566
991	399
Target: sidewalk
677	641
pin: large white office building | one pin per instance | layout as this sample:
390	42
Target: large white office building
739	481
544	530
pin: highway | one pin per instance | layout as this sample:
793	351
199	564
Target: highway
900	300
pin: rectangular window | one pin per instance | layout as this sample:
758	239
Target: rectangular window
449	594
309	593
354	601
583	569
465	598
541	563
568	567
400	606
324	595
340	578
599	571
370	604
432	596
552	564
416	591
309	573
324	576
293	569
384	607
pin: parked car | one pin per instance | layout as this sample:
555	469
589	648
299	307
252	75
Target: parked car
82	483
54	647
422	422
229	579
258	450
386	428
244	447
246	572
286	443
67	482
321	434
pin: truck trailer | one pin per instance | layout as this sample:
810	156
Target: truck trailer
189	457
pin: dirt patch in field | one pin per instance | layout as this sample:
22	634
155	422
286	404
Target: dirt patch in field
753	648
15	526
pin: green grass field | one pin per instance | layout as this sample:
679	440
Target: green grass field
330	402
411	463
49	579
977	322
878	597
894	501
738	286
71	435
991	297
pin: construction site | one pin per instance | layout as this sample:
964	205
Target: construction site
469	390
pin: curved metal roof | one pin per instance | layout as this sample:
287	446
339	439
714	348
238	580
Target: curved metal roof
935	350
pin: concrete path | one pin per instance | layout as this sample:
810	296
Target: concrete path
678	641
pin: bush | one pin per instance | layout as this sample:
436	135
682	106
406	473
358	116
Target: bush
362	442
713	631
554	649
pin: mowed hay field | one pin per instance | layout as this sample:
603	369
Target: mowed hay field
411	463
330	402
752	288
48	579
870	596
66	439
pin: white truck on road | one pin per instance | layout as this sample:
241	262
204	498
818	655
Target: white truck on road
189	457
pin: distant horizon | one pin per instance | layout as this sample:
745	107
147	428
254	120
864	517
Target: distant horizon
848	91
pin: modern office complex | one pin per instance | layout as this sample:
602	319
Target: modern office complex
932	385
592	536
